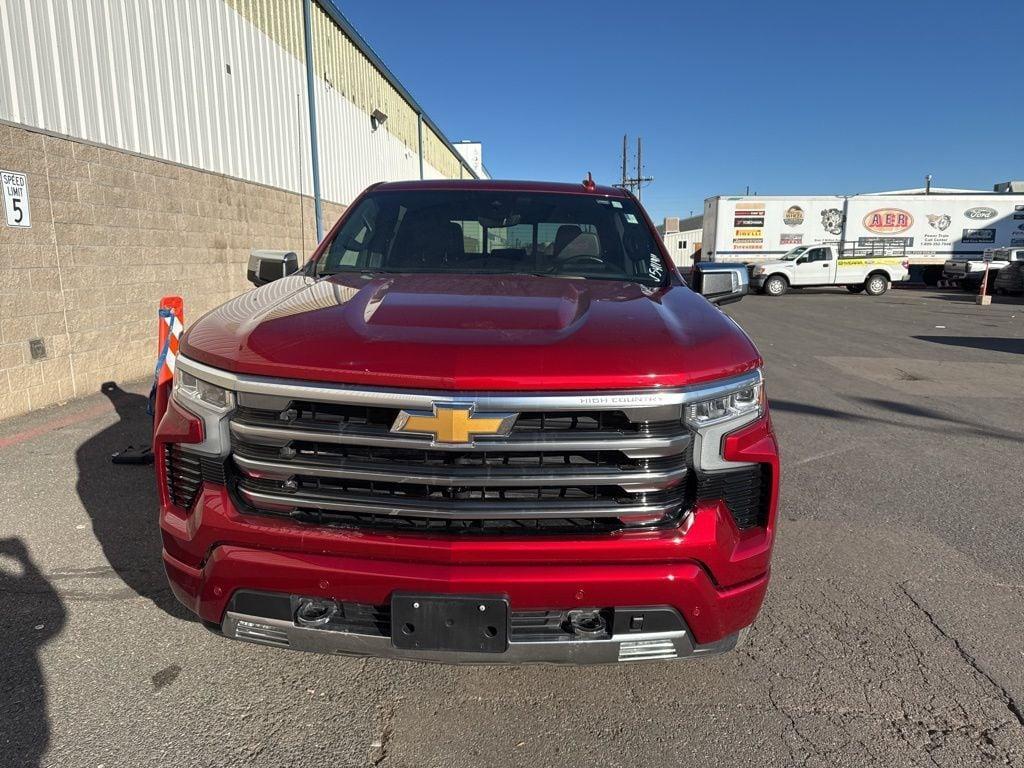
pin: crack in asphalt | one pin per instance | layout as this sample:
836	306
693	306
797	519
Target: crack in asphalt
970	660
381	745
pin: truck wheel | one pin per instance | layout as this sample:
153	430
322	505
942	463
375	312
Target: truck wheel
775	285
876	285
855	288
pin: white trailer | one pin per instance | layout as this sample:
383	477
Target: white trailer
923	230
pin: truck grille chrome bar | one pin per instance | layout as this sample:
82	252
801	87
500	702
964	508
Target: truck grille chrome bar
329	455
637	447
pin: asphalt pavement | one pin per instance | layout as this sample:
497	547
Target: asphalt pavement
893	633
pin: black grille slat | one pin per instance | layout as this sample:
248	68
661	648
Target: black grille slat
547	525
744	491
187	471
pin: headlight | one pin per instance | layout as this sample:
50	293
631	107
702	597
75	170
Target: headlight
712	418
192	391
734	405
758	270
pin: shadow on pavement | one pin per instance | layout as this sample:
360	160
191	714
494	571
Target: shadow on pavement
943	424
122	502
991	343
32	615
969	298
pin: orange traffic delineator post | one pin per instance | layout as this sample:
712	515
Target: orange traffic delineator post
171	316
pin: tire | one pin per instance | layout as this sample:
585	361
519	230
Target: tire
855	288
776	285
876	284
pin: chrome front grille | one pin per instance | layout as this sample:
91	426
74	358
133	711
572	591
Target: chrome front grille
338	463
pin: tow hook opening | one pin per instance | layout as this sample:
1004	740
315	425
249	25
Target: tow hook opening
315	612
588	623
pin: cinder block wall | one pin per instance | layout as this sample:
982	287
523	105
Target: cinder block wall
111	233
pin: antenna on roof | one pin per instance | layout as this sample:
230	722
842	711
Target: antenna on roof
588	183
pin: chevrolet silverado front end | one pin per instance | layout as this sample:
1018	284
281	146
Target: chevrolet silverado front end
488	422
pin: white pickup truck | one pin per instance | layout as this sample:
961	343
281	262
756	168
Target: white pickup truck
969	272
808	265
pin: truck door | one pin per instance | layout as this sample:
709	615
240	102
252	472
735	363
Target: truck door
816	267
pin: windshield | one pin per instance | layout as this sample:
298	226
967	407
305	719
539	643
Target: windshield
796	253
486	232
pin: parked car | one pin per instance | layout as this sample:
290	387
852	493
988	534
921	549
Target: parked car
806	266
970	272
487	422
1010	279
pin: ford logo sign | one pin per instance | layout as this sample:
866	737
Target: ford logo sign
980	213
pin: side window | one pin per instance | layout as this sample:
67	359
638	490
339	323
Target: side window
819	254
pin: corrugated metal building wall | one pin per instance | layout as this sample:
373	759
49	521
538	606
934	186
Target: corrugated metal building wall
682	245
161	141
212	84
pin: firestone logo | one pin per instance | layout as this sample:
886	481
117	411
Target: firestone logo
888	221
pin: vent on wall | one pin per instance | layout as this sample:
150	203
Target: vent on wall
37	347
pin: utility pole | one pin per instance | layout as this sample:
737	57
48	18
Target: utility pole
307	29
636	183
625	139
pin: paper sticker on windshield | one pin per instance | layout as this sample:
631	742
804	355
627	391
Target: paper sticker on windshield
616	204
603	202
655	269
631	218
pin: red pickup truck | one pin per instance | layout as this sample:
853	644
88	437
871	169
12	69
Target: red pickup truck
487	422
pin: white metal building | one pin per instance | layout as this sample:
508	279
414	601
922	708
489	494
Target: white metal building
218	85
682	237
148	145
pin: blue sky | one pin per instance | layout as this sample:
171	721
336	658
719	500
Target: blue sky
786	97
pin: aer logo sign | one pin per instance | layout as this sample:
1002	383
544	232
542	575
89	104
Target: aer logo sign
888	221
15	186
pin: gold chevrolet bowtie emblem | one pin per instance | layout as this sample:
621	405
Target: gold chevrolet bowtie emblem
453	423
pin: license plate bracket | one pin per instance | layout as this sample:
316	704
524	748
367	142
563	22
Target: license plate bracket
449	623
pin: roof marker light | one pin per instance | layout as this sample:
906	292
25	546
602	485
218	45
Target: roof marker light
588	183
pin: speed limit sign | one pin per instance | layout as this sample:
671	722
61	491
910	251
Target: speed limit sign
15	186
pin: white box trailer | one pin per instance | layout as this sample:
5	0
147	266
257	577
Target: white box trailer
922	229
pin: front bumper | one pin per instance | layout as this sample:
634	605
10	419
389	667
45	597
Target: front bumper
633	647
670	567
711	573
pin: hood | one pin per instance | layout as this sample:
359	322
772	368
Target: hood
472	332
777	264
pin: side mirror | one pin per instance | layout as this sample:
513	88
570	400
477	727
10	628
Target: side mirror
268	266
721	283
